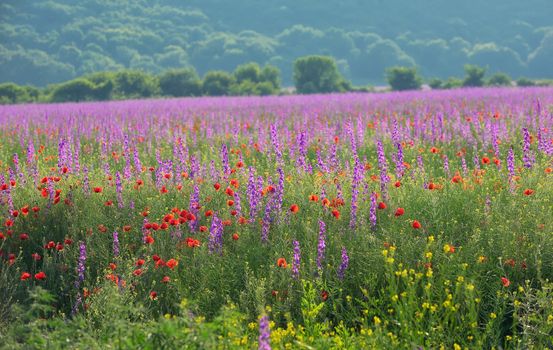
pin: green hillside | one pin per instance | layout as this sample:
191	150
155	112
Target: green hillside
43	42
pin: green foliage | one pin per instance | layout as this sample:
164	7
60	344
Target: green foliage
182	82
317	74
403	78
13	93
525	82
452	83
499	79
474	76
74	90
436	83
217	83
133	84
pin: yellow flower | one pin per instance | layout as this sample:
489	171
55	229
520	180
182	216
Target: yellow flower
456	346
377	320
430	239
493	316
429	255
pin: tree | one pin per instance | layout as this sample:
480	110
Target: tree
525	82
317	74
403	78
474	75
271	74
217	83
249	71
182	82
129	84
436	83
74	90
12	93
499	79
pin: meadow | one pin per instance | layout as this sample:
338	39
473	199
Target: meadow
415	220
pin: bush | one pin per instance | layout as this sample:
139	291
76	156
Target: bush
217	83
499	79
474	76
525	82
74	91
182	82
436	83
132	84
317	74
403	78
452	83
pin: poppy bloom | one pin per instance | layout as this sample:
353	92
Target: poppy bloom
229	192
208	213
25	276
217	186
397	184
203	228
140	262
36	256
505	282
126	228
314	198
324	295
23	236
235	236
153	295
171	263
137	272
149	240
294	208
485	160
166	279
112	266
230	202
399	212
416	225
381	205
98	189
40	276
281	262
528	192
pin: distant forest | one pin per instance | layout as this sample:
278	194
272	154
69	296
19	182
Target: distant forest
45	42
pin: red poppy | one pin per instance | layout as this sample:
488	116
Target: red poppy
281	262
36	256
416	225
140	262
397	184
314	198
485	160
25	276
153	295
98	189
171	263
166	279
230	202
294	208
127	228
149	239
108	203
324	295
40	276
229	192
505	282
235	236
399	212
336	214
209	213
381	205
217	186
528	192
23	236
112	266
137	272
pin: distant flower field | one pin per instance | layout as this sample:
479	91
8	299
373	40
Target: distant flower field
401	220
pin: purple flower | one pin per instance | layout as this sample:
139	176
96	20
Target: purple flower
372	211
297	260
119	190
321	246
264	334
215	244
344	265
115	244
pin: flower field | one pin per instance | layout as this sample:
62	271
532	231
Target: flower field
400	220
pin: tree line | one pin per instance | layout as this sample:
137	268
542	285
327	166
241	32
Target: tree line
312	74
50	41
